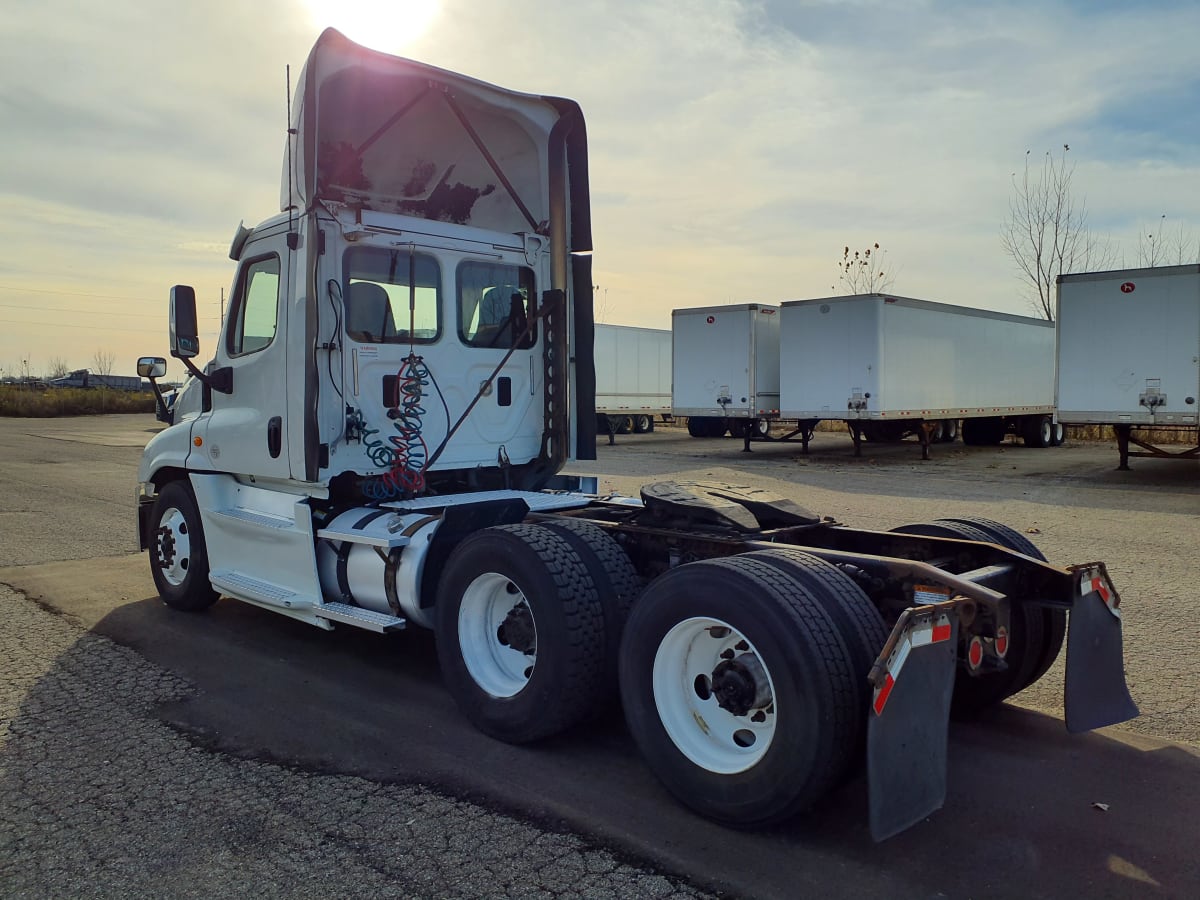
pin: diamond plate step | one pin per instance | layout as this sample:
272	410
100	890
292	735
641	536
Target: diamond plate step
359	617
238	584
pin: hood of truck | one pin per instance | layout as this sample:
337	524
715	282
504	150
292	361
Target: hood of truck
380	132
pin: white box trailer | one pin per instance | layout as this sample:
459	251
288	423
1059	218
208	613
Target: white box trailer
633	377
725	368
890	366
1129	354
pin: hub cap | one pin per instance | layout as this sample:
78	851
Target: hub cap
172	546
714	695
497	635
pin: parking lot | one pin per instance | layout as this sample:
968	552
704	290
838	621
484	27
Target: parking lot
150	752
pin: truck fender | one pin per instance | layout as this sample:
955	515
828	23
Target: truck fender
456	523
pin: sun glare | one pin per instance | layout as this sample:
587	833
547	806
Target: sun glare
387	25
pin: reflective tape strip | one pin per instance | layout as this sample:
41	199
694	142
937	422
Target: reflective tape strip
882	693
1099	584
933	630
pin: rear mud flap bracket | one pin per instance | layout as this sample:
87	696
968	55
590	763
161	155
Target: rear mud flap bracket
908	728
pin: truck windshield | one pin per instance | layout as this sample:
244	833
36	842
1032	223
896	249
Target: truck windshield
495	303
377	296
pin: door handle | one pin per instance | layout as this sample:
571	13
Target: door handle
274	436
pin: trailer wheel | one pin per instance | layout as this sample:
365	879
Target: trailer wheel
1027	640
983	432
178	553
643	424
949	431
705	427
1060	434
738	690
520	632
617	584
1054	620
1038	431
883	432
761	428
937	433
856	618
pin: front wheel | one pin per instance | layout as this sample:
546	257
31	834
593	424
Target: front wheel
178	555
738	690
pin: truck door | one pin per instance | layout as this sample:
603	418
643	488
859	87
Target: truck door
496	305
246	431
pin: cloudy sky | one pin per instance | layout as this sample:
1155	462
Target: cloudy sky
736	145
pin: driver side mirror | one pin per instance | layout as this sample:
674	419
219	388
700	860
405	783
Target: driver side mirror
185	334
151	367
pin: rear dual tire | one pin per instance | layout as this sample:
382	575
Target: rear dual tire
741	689
520	632
1036	634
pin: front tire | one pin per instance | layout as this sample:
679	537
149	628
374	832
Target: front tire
520	632
738	690
178	554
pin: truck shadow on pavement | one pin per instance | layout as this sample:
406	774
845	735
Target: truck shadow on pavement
1031	810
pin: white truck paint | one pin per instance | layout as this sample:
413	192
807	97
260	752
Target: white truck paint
633	377
874	359
1129	352
404	371
725	367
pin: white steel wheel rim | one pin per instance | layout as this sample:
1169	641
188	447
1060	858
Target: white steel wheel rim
173	560
496	666
710	736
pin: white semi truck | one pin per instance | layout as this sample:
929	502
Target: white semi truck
378	439
1129	356
890	366
633	377
725	369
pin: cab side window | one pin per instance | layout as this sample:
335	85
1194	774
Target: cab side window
255	312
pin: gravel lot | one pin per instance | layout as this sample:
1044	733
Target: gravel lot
101	799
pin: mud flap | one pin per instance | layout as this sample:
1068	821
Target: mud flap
909	724
1095	693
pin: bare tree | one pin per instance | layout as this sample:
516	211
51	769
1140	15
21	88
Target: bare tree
1161	247
57	368
1046	232
103	362
866	271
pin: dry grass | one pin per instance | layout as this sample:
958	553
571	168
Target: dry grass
46	403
